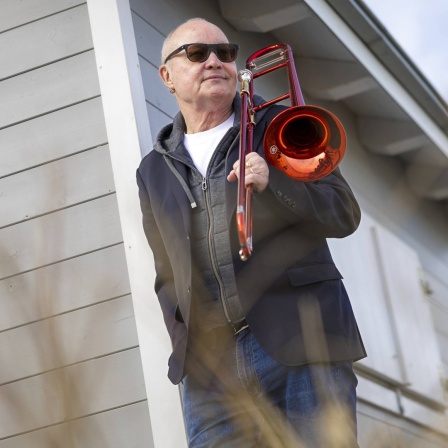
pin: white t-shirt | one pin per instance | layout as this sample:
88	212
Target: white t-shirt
202	145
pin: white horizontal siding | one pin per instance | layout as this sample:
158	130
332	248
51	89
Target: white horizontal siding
67	339
72	371
149	40
82	389
165	15
156	92
119	428
44	41
48	88
16	13
52	136
56	185
64	234
63	287
161	105
158	120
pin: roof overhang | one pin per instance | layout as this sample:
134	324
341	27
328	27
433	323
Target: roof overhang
398	112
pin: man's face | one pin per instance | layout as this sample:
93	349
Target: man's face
199	84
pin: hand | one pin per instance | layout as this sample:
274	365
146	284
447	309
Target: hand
257	172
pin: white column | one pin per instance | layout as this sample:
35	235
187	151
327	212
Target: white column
128	130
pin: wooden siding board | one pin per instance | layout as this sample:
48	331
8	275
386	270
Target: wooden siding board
79	390
67	339
165	15
155	91
45	41
58	236
157	121
16	13
52	136
61	287
127	426
149	40
55	185
48	88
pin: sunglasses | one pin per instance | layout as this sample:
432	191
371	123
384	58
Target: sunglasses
201	52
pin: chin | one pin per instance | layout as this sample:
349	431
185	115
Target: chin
220	94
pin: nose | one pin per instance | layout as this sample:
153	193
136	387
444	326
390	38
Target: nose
213	59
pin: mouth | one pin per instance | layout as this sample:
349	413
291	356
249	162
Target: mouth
214	78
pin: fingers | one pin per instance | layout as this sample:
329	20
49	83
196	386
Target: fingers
254	163
256	166
256	172
249	167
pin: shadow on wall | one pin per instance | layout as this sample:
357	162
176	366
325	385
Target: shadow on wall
43	396
43	406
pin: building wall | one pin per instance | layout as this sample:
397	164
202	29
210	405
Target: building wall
387	264
71	373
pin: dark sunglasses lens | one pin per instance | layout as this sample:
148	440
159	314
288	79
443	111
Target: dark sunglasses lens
201	52
197	53
226	52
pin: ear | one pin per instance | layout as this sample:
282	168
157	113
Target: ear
165	75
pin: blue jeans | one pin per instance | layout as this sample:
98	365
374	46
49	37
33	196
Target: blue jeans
241	398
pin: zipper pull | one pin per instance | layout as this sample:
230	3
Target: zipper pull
204	184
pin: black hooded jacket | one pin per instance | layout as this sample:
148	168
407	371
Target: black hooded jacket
291	291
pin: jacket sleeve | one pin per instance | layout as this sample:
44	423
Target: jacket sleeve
164	284
325	207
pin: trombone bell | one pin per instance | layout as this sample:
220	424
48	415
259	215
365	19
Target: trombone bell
305	142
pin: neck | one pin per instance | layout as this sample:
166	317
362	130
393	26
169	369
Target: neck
203	120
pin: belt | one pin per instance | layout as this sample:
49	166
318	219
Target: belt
239	327
218	336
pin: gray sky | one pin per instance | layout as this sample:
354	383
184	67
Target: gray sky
421	29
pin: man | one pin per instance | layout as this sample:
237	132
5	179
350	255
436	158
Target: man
263	348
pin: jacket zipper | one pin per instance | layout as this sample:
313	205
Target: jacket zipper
212	248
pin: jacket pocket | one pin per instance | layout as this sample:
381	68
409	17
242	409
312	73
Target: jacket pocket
313	273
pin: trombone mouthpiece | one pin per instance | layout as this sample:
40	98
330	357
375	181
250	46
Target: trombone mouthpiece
244	75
